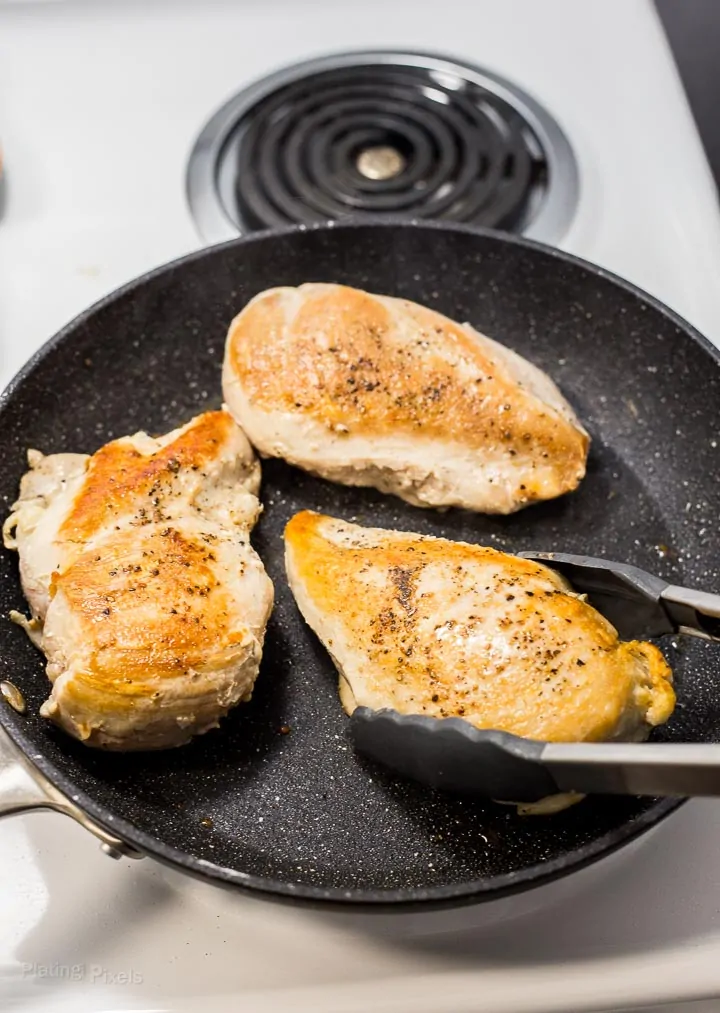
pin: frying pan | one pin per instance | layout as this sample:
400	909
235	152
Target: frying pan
276	800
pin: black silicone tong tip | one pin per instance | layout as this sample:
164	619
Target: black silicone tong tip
452	755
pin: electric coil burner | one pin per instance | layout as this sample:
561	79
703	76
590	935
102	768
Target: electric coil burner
378	134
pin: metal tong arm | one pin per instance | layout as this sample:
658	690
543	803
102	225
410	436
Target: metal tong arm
694	612
636	602
663	768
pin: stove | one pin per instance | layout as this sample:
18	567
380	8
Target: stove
382	133
135	132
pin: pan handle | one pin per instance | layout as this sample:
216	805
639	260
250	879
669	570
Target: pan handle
24	789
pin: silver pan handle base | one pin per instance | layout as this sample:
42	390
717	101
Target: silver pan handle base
24	789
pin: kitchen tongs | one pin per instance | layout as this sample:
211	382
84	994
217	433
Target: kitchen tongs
453	755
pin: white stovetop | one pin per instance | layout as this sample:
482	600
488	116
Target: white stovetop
81	933
99	105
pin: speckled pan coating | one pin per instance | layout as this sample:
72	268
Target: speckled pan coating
294	812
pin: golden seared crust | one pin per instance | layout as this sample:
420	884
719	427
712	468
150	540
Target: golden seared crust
377	367
155	624
150	603
149	606
123	479
430	626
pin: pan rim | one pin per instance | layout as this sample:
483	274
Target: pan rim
411	899
494	887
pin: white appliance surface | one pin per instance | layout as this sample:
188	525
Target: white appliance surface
99	105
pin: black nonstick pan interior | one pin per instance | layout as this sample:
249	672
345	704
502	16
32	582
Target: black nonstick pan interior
275	799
